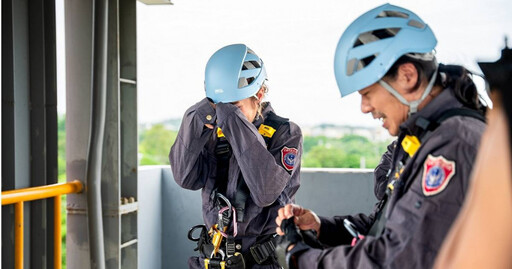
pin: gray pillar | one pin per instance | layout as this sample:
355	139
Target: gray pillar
129	135
78	21
119	168
29	121
8	147
43	126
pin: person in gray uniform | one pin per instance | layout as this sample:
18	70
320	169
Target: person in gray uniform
244	158
435	111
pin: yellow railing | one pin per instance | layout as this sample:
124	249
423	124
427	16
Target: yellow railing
18	197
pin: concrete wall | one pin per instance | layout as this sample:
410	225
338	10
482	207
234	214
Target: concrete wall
150	217
327	191
331	192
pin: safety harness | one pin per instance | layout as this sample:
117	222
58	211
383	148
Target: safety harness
410	145
216	244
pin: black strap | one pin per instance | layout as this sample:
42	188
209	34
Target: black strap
428	127
275	122
223	154
241	195
380	220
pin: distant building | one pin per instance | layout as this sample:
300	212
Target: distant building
337	131
325	129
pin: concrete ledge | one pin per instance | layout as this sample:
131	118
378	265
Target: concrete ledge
167	212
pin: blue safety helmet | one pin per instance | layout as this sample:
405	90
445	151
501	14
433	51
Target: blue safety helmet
374	41
233	73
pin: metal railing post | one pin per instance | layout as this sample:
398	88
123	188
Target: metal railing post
57	246
19	196
18	235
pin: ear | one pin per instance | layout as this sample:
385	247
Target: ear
407	76
260	94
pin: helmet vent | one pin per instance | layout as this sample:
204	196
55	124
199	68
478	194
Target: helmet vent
392	14
415	23
250	65
368	60
369	37
242	82
355	65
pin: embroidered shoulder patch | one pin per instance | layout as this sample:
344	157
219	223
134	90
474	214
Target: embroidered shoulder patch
288	157
437	172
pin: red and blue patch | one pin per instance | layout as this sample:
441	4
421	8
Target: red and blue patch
288	157
437	172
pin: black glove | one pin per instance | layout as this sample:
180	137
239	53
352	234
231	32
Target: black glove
292	236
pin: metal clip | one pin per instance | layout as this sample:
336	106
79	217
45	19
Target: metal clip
351	228
213	255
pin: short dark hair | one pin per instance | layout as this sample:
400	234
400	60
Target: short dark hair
457	78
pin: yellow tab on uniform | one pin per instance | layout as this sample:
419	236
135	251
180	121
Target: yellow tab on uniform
391	186
266	130
411	144
219	132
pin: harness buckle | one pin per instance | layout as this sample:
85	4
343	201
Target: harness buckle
222	148
261	252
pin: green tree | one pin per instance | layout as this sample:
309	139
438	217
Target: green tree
311	141
61	166
344	152
61	150
155	143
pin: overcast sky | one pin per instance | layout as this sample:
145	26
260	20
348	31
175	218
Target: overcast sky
296	39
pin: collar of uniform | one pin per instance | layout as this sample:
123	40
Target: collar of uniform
266	109
446	100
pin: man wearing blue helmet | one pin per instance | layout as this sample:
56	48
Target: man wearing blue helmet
243	157
434	110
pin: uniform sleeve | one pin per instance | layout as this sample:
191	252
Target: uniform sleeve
334	233
380	172
188	156
264	176
416	225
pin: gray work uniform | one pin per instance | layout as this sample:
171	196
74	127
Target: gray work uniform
271	174
421	208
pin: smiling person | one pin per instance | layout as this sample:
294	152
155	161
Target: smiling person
387	55
243	157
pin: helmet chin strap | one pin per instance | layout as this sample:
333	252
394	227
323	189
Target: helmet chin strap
413	106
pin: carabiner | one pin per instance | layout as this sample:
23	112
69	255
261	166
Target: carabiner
191	231
226	201
352	229
214	255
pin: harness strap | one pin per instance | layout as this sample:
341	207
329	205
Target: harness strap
241	195
223	154
428	127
